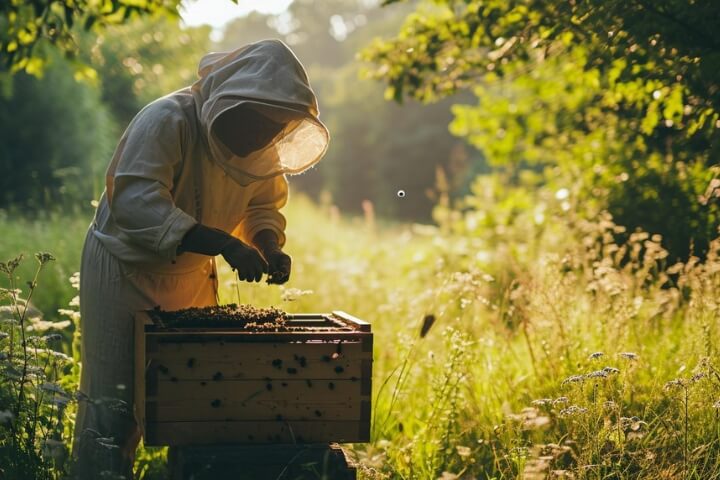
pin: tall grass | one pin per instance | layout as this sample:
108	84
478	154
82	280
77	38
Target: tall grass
548	350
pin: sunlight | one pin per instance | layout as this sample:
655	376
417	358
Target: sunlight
217	13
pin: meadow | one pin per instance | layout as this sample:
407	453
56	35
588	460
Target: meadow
542	349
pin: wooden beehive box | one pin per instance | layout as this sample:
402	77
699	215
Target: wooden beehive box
312	384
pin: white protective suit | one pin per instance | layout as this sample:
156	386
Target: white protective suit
168	173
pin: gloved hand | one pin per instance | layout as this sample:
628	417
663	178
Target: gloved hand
248	262
279	263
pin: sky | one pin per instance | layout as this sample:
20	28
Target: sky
217	13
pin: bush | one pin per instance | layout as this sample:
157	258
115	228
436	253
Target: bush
35	391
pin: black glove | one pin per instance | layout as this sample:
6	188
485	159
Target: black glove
279	263
248	262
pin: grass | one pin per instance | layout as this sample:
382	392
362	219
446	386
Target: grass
553	352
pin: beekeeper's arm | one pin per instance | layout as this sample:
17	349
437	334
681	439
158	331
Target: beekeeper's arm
139	186
142	205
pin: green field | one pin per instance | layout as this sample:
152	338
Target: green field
546	355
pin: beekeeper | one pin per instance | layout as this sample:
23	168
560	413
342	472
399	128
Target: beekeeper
198	173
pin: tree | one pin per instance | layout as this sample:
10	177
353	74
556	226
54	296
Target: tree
31	29
57	134
145	59
54	139
621	96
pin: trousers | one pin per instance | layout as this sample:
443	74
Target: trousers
106	432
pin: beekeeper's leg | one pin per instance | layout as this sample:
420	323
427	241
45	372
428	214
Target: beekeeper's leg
106	434
110	295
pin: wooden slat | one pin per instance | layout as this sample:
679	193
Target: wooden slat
141	319
340	391
361	325
204	433
258	361
258	408
244	336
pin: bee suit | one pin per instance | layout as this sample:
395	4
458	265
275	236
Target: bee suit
168	173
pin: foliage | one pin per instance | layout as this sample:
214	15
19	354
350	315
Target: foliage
621	94
30	30
65	233
57	134
145	59
528	306
53	140
373	143
523	300
34	388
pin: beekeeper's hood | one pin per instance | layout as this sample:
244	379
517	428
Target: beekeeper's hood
267	77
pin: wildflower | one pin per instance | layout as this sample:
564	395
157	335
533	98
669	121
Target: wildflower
60	401
610	405
573	410
542	401
596	355
9	292
292	294
717	405
39	325
53	353
53	388
10	266
610	370
676	383
629	355
463	451
44	257
35	340
573	379
697	377
560	400
597	374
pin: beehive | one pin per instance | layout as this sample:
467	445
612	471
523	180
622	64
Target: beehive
309	384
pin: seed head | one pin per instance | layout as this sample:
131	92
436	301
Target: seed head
596	355
610	405
629	355
573	379
573	410
44	257
675	384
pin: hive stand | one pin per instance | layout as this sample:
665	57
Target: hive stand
261	462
